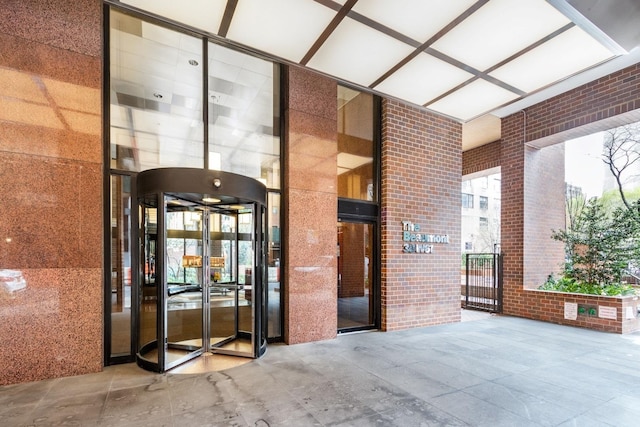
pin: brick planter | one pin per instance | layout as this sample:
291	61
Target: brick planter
602	313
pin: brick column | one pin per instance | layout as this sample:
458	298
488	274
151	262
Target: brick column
532	206
421	183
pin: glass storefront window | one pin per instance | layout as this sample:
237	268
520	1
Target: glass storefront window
274	296
243	116
155	95
120	265
163	81
356	176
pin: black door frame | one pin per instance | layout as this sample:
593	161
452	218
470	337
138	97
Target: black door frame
360	212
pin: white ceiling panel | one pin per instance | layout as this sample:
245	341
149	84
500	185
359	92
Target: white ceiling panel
279	27
567	54
423	79
358	53
203	14
418	19
498	30
473	100
371	41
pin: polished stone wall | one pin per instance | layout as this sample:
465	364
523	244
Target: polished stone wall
310	204
51	248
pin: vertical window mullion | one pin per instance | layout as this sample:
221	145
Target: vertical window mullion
205	101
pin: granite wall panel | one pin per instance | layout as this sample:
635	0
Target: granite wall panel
51	174
310	203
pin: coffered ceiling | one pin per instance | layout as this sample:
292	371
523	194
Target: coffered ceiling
464	59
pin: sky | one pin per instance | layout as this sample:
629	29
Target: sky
583	163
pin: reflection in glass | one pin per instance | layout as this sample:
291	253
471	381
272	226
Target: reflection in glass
184	245
355	145
148	294
274	295
155	96
157	81
355	275
120	265
243	110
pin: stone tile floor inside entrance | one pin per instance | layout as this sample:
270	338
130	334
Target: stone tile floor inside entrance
496	371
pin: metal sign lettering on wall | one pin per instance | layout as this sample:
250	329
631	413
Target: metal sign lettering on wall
414	241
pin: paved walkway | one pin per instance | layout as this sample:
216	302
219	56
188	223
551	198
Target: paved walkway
498	371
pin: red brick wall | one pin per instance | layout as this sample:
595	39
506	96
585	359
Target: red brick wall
544	212
533	179
512	214
421	181
481	158
601	99
549	307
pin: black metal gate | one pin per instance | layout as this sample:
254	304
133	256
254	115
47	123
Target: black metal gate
483	284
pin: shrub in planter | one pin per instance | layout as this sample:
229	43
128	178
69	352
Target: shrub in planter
598	249
571	285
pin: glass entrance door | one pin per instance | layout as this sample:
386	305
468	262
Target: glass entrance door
186	283
231	286
201	278
356	284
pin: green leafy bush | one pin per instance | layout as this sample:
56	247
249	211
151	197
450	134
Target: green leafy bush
571	285
599	247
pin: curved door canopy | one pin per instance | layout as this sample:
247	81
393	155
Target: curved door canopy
201	266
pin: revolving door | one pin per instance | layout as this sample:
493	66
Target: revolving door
201	251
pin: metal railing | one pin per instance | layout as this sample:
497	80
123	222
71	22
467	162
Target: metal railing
483	282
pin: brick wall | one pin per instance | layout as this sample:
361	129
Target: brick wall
533	179
421	181
604	98
481	158
550	307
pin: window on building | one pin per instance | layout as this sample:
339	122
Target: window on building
484	202
467	200
484	223
356	172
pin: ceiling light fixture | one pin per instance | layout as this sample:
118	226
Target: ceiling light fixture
210	200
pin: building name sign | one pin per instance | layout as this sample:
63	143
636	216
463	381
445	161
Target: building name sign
414	241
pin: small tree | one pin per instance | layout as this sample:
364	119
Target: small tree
622	157
600	246
575	200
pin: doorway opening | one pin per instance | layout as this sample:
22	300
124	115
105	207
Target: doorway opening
357	291
201	258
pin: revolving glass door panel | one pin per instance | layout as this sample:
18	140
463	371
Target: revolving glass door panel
201	266
147	291
231	261
186	287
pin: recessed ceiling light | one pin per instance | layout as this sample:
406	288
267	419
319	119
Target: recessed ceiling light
210	200
193	62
